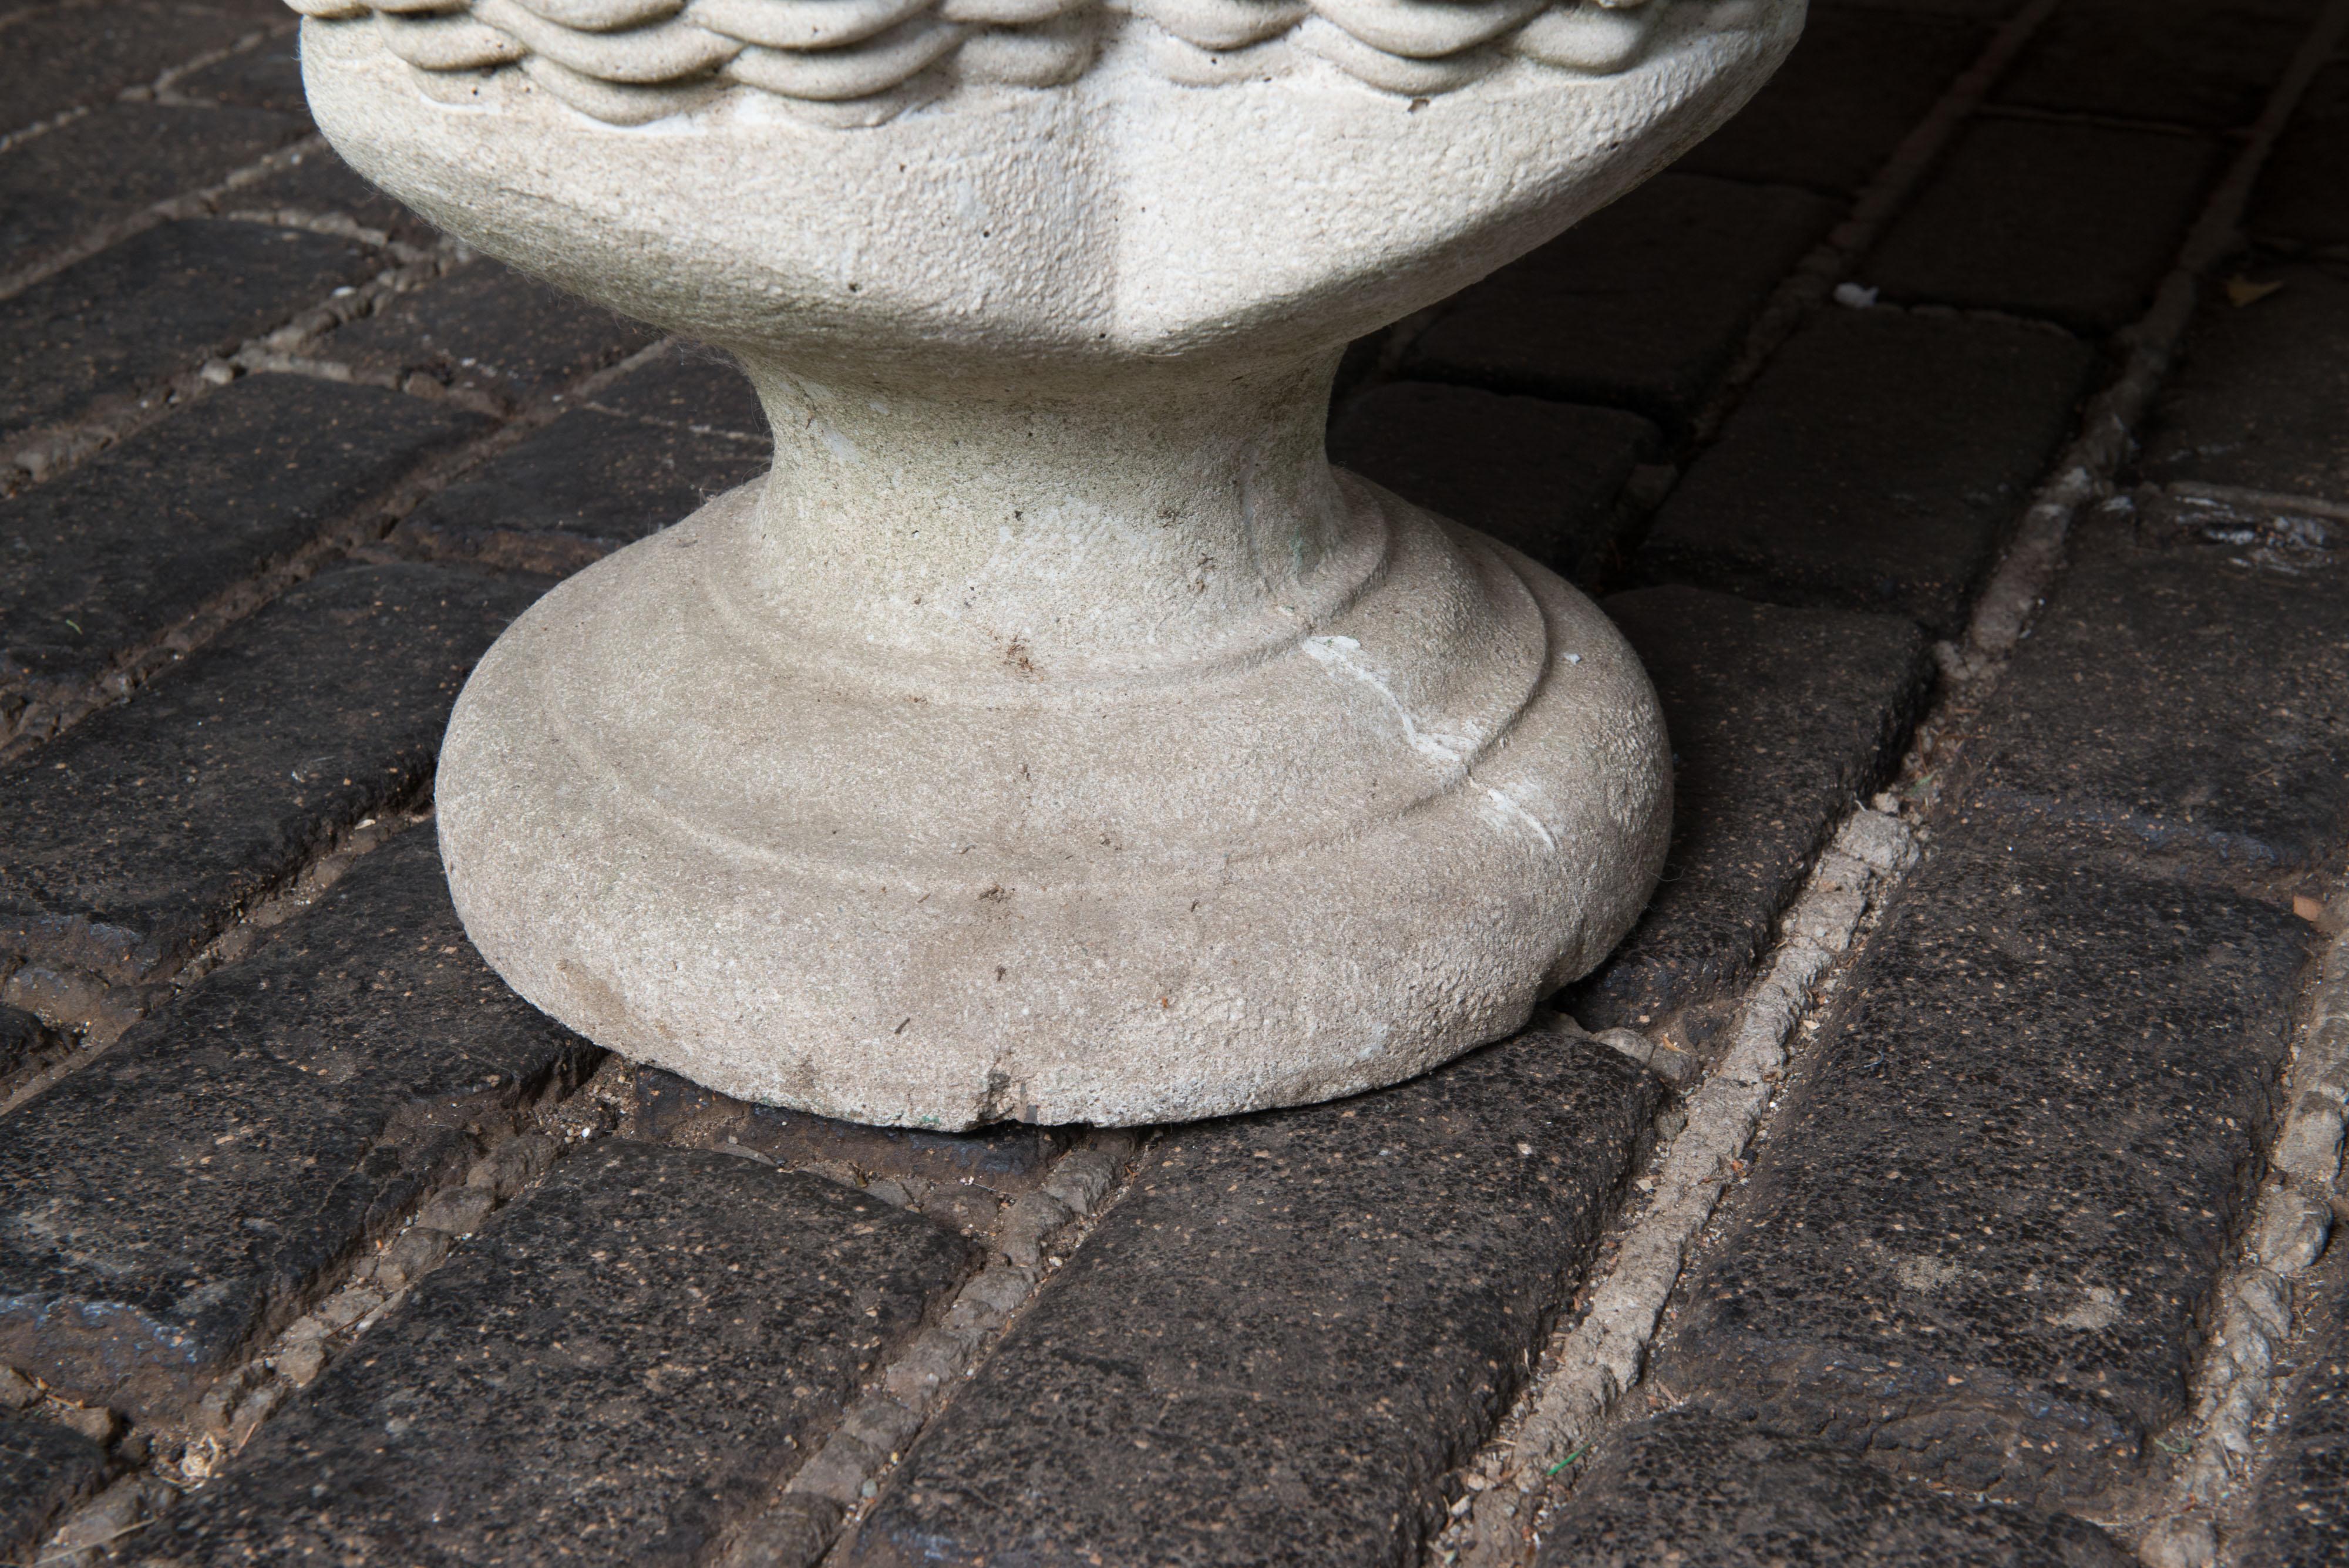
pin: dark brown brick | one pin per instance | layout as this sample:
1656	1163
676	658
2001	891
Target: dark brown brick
1986	1224
44	1471
1874	465
22	1038
111	165
2186	62
2298	197
139	537
2183	701
2262	399
173	1201
1857	82
1006	1160
1288	1329
1539	476
688	385
626	1361
1640	307
57	58
586	485
1981	1240
155	306
317	184
490	332
1780	720
1691	1488
130	841
1979	10
266	76
2076	223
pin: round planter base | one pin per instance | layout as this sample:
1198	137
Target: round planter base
1362	834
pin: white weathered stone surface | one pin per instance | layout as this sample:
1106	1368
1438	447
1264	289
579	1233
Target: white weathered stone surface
1053	734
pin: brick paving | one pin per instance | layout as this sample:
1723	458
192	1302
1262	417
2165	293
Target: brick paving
1949	1178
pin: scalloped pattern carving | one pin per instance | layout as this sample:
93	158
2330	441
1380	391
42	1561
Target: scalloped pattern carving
630	62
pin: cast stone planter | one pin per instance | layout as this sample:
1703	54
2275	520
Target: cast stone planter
1054	734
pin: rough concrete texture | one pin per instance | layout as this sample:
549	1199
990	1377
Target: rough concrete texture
1819	491
178	1198
1329	259
529	1392
856	70
1287	1328
952	661
1122	864
1780	720
1700	1492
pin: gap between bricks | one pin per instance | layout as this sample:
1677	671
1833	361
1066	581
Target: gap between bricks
2266	1305
161	89
1590	1367
809	1510
50	713
828	1493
